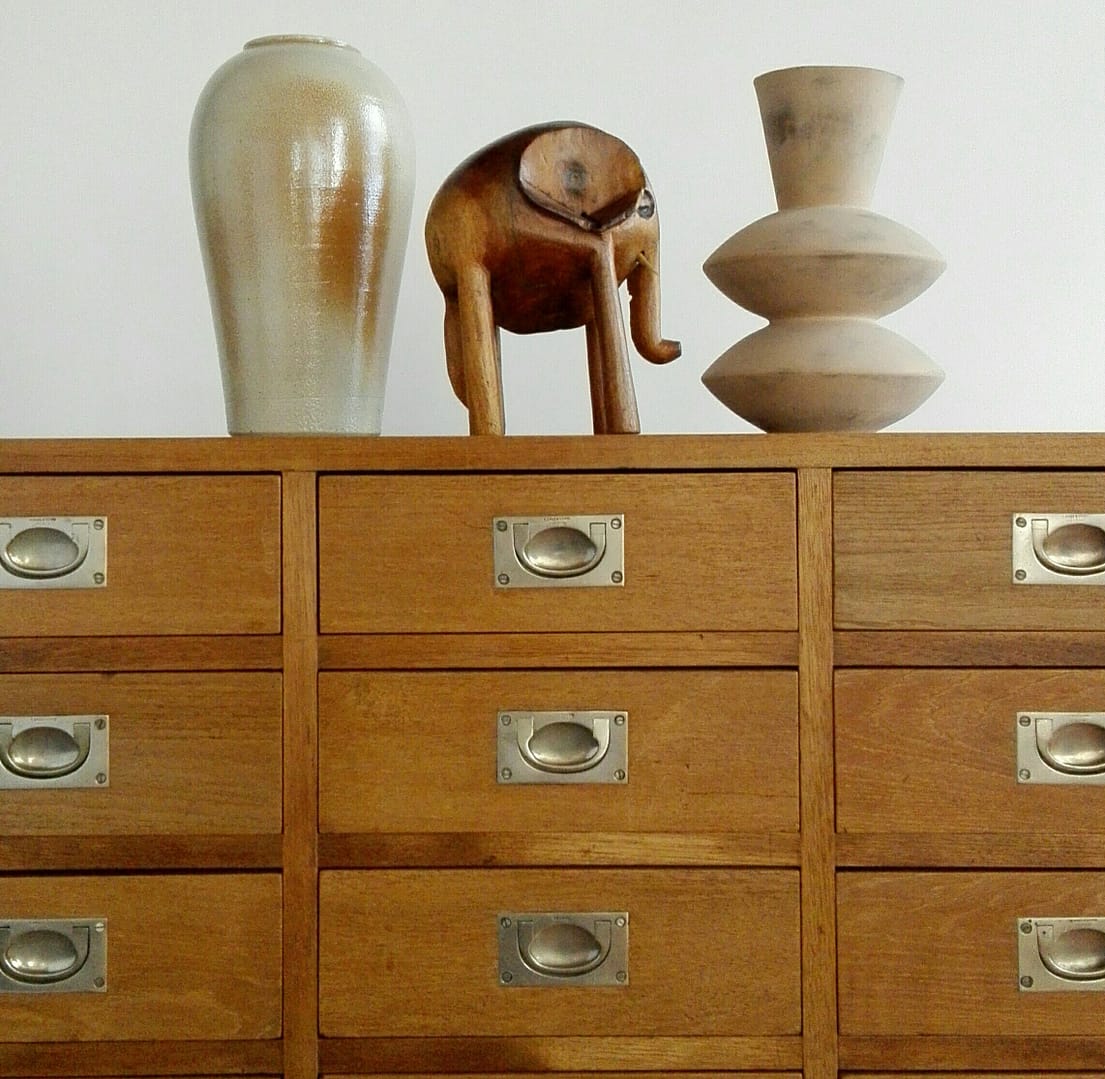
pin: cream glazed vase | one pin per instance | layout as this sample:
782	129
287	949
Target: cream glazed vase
302	169
824	267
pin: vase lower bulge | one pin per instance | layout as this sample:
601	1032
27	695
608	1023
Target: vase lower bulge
302	170
824	267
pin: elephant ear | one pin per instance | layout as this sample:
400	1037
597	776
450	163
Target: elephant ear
583	175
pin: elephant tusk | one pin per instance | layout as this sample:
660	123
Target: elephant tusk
642	261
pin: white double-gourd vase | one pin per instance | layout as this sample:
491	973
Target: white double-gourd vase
302	168
824	267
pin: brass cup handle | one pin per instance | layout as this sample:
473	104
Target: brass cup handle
43	956
44	752
1075	549
559	550
43	551
563	746
563	949
1076	954
1074	748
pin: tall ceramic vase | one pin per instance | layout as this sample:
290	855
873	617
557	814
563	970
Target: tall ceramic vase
824	267
302	166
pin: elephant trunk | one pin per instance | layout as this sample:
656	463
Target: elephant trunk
644	313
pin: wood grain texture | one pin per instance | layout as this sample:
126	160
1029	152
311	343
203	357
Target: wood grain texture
926	648
708	751
51	853
664	1056
936	751
300	599
932	550
414	554
185	555
552	453
430	651
76	654
435	932
561	849
983	850
902	933
142	1060
609	1075
217	935
189	754
983	1056
815	664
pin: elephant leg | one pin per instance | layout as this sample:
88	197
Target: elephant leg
480	350
619	400
596	364
454	351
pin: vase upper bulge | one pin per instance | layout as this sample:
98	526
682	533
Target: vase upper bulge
302	170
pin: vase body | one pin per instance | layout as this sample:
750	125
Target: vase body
302	170
824	267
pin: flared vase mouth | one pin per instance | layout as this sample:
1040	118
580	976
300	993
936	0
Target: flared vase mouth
297	39
813	71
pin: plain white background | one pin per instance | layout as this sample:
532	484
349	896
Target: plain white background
996	156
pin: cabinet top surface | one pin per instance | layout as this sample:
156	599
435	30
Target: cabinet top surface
551	453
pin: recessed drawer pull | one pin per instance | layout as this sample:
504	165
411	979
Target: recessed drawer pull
562	747
1059	954
1074	748
44	751
1061	747
45	551
1057	547
542	552
53	552
40	752
564	949
55	956
1071	548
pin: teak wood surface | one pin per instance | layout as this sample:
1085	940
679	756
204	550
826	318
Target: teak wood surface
868	573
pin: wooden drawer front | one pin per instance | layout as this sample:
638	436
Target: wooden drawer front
936	751
185	555
933	550
189	754
414	553
188	957
710	953
936	953
708	751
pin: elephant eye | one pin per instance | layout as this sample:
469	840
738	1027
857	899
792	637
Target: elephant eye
647	206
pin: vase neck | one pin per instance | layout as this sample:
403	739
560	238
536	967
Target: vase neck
826	129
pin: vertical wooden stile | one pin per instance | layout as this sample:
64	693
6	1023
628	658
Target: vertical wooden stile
816	772
300	590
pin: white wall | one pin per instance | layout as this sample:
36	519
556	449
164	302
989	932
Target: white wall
997	156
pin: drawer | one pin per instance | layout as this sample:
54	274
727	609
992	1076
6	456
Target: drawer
933	550
705	751
187	958
937	953
186	754
415	553
936	751
185	555
710	953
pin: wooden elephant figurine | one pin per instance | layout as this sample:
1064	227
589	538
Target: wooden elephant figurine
537	232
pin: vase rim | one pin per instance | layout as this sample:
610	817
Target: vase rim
854	69
297	39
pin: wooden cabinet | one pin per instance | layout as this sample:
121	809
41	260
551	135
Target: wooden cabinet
658	756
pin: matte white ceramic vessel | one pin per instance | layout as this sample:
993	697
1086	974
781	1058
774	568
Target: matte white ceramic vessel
302	168
824	266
